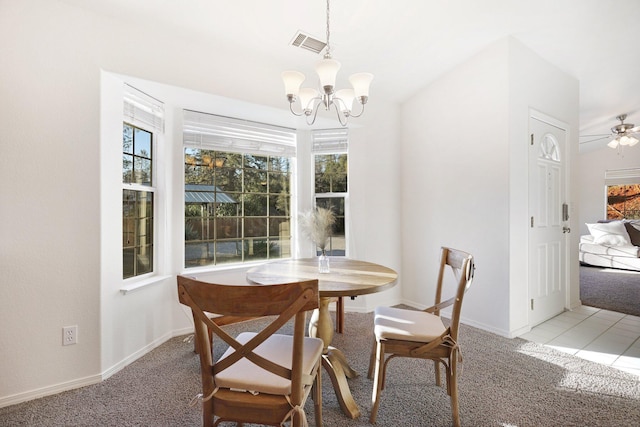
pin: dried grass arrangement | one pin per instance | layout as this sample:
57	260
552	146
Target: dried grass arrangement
317	225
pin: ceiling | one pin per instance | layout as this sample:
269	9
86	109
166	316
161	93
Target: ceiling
407	44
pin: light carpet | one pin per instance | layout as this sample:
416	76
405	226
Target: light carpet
610	289
504	382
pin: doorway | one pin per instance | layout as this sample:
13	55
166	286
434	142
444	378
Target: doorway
548	220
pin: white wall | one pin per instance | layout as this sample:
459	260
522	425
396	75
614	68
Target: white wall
464	176
592	166
58	252
536	86
49	184
455	182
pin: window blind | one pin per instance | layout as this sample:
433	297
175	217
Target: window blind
622	176
143	110
330	141
209	131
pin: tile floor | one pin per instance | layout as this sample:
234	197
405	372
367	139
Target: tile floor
598	335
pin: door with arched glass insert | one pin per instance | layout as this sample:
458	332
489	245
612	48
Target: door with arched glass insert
548	221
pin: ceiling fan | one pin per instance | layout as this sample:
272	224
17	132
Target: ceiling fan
622	134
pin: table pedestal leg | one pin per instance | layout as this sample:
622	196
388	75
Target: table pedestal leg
333	360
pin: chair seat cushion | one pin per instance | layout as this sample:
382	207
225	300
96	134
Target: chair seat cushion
408	325
245	375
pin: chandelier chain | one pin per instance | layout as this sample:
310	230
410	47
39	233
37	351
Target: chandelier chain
328	54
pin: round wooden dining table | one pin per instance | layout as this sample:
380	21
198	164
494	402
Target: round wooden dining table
346	278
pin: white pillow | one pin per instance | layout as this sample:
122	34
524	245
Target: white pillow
609	233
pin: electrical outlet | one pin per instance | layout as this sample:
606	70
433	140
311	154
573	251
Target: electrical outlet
70	335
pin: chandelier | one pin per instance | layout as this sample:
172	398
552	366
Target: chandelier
341	100
623	133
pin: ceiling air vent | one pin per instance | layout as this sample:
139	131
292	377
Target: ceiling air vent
305	41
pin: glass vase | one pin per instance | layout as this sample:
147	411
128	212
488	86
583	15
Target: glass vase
323	263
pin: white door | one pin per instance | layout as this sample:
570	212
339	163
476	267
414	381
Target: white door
548	221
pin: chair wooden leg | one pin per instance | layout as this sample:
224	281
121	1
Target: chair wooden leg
452	385
318	397
372	358
378	379
436	368
207	414
296	420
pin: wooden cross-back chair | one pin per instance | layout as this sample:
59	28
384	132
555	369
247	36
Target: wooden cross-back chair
422	334
263	377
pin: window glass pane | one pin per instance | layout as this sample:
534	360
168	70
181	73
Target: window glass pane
193	229
337	242
207	228
255	181
233	160
230	193
256	249
278	182
198	166
231	206
197	254
128	261
279	205
228	179
142	143
144	259
623	201
142	171
255	205
255	227
331	173
280	248
279	227
144	232
280	164
137	232
127	139
339	184
198	228
255	162
229	251
128	204
127	168
144	204
227	228
128	232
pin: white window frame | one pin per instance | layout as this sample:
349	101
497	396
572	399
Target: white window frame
331	141
209	131
147	113
612	177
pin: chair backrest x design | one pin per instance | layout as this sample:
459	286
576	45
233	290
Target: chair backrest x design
422	334
463	268
263	377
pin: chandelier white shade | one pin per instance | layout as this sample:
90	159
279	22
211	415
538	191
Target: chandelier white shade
341	100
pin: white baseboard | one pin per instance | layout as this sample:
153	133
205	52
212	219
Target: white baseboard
93	379
49	390
136	355
501	332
